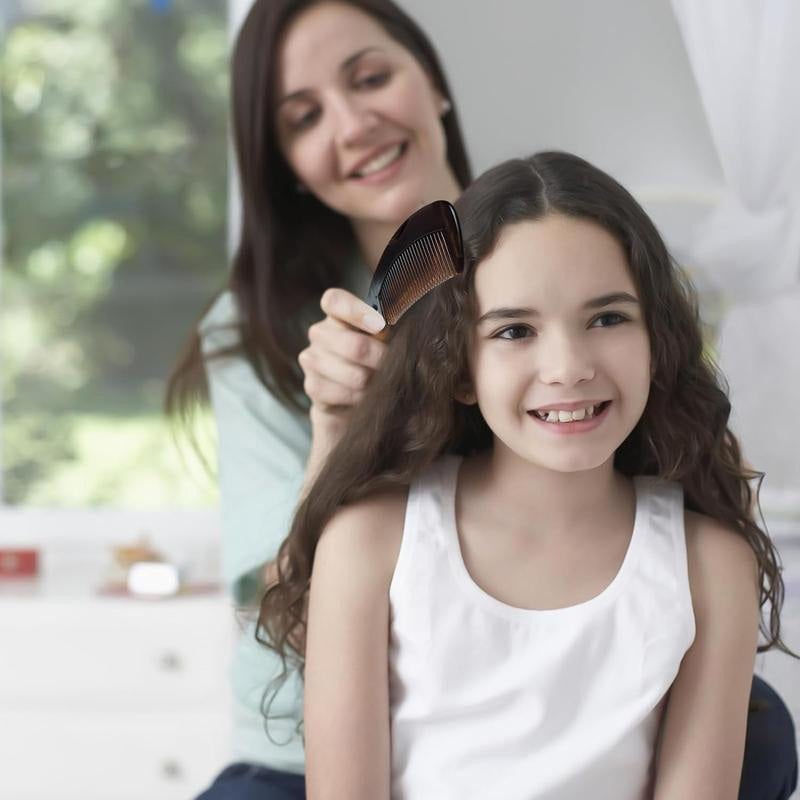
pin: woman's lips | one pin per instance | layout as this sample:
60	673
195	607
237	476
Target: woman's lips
385	173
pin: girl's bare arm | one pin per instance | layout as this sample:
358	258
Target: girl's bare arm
703	733
347	723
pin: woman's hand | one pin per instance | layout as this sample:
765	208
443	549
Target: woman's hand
342	355
339	362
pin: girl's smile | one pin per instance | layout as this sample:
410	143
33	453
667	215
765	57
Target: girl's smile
585	417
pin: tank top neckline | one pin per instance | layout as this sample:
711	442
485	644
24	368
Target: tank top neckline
496	606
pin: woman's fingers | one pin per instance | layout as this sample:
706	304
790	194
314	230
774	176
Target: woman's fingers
341	356
330	379
332	337
346	307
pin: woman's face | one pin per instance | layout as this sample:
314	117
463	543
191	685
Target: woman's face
357	118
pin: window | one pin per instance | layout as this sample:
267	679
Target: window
114	176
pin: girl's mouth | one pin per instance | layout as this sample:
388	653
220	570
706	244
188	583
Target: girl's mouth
577	421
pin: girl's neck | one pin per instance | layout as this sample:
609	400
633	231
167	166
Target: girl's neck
373	235
545	503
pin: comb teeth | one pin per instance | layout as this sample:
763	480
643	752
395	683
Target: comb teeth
422	266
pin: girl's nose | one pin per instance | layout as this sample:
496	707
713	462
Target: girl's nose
564	360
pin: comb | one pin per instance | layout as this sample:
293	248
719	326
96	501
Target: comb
425	251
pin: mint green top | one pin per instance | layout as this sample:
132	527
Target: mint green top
262	453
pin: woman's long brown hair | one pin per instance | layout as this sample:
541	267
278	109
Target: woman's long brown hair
292	246
409	417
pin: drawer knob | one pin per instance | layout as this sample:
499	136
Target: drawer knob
170	661
171	770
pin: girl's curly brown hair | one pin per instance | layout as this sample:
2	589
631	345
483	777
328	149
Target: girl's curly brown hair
409	416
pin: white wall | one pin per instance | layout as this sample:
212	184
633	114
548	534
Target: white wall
609	81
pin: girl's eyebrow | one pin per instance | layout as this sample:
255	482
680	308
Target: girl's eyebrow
595	302
343	67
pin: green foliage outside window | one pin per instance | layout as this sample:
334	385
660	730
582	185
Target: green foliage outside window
114	204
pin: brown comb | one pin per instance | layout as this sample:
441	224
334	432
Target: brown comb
425	251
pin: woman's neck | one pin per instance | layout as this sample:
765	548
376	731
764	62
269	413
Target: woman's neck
373	235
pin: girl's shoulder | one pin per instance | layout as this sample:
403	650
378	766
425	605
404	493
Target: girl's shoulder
363	538
719	558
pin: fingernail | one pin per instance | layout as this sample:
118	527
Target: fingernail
374	321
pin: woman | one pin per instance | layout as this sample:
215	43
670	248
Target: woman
343	124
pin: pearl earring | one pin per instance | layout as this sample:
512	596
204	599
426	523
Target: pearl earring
446	107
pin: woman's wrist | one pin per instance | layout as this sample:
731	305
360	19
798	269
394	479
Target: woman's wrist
326	430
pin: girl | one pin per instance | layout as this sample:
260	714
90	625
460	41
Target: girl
343	124
530	568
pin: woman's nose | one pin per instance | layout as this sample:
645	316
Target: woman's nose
565	360
353	119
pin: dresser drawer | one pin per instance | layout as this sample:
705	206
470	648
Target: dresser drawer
105	756
104	653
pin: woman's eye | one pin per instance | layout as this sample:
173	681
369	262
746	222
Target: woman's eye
615	319
513	332
373	81
304	120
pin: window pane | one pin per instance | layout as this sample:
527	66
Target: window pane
114	192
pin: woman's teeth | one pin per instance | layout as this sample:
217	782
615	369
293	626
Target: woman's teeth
380	162
568	416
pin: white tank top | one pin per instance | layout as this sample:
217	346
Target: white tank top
492	701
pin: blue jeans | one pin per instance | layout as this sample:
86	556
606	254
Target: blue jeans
769	771
252	782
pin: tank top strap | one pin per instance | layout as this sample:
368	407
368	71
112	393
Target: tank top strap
428	510
664	547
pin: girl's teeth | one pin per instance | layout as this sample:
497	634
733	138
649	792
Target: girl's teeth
380	162
567	416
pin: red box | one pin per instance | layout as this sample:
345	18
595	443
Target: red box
18	563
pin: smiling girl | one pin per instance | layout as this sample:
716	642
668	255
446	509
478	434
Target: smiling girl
530	567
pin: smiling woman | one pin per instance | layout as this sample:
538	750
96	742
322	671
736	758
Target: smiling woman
343	124
360	126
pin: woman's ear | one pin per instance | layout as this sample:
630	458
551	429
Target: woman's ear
466	395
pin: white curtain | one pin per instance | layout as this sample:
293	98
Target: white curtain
745	55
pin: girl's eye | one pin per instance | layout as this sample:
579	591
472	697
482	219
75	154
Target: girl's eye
513	332
615	318
373	81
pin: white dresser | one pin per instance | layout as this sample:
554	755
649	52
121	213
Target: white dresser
111	698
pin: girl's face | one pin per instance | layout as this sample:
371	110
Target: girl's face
357	119
560	335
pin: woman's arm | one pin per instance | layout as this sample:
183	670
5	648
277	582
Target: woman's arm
262	452
268	455
702	738
347	721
